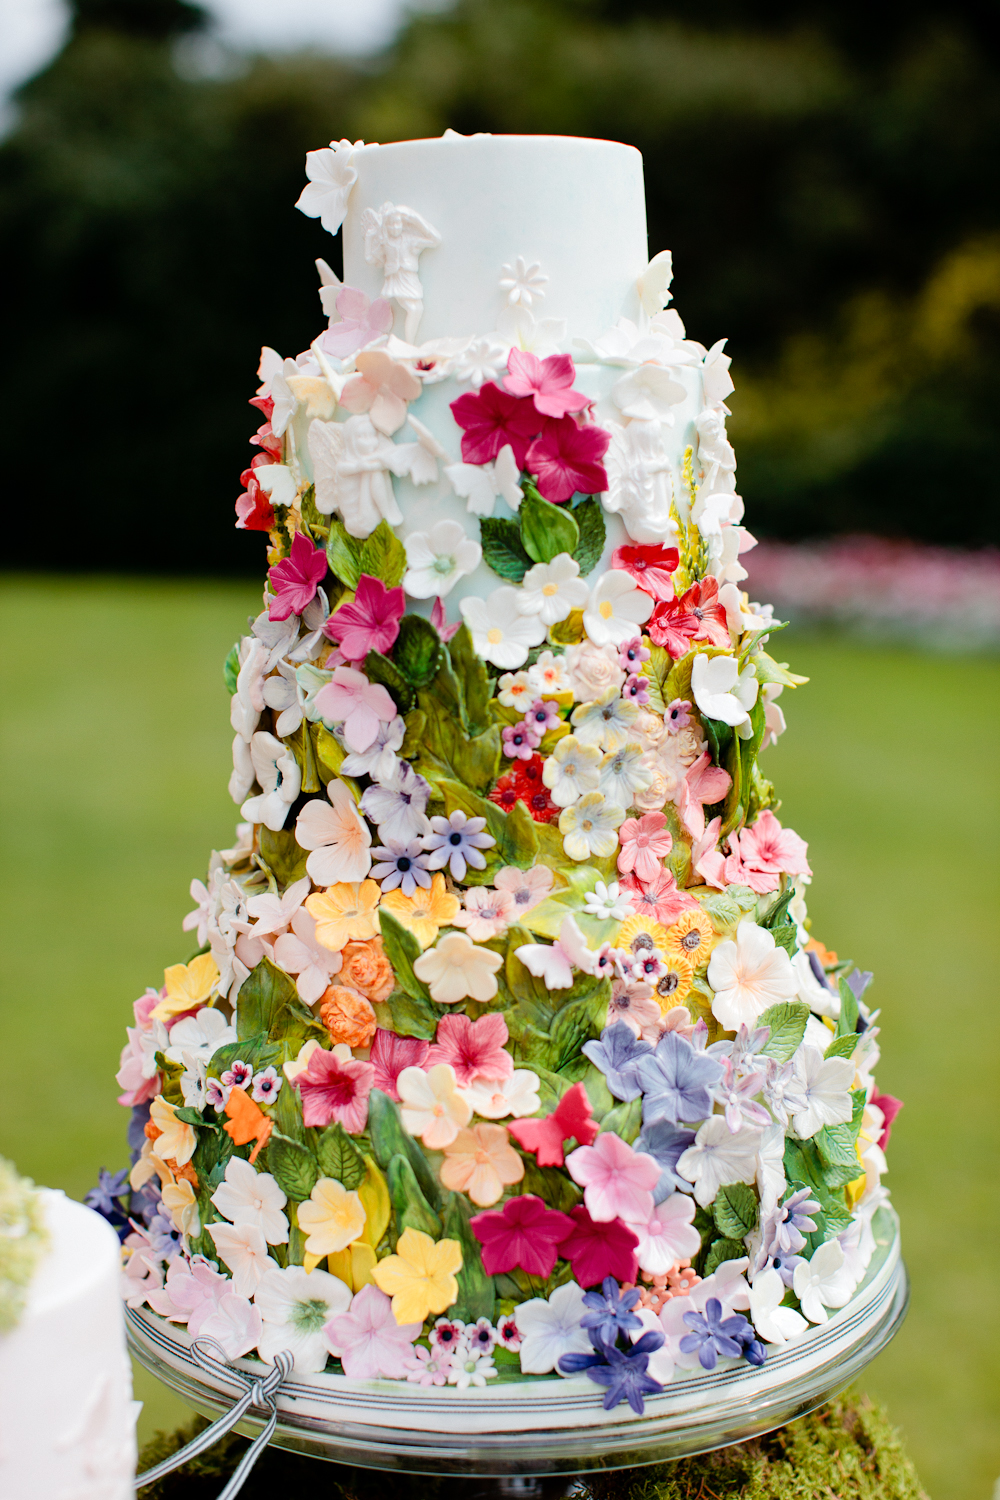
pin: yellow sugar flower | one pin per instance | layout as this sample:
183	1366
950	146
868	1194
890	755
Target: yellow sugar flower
182	1205
640	932
333	1218
425	912
187	985
345	913
692	936
175	1141
674	983
420	1277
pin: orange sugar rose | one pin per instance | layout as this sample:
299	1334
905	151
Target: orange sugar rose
348	1016
367	969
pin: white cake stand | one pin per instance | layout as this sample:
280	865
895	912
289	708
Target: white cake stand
547	1425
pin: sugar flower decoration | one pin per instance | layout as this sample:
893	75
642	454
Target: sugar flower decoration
487	913
361	321
397	804
481	1162
369	1341
823	1084
523	281
381	388
748	975
475	1049
299	952
187	986
336	835
551	1329
456	842
572	770
495	1099
331	177
650	566
718	1157
359	705
279	778
551	590
424	912
616	607
480	485
402	867
249	1197
501	634
492	419
676	1081
294	1306
345	912
438	558
433	1106
390	1054
590	827
571	1120
617	1054
617	1181
176	1140
547	382
644	843
566	459
774	1323
822	1282
667	1236
457	969
596	1249
721	691
200	1036
335	1089
370	622
420	1277
243	1248
295	579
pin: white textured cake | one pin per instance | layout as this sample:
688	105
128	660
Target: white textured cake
67	1418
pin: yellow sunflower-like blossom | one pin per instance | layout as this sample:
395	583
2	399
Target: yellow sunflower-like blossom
692	936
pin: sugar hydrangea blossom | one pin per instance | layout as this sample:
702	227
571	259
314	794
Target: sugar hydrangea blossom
368	1340
438	558
550	1329
617	1181
457	969
246	1196
718	1157
551	590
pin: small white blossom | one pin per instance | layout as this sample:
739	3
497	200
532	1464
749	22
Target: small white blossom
523	282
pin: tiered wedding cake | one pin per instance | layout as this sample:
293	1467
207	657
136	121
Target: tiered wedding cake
506	1051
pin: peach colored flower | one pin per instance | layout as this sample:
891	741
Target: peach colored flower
348	1016
481	1162
433	1106
344	913
367	969
425	912
382	388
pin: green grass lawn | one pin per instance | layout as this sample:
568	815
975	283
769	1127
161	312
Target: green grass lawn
115	742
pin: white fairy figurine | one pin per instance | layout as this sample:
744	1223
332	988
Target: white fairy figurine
351	461
394	238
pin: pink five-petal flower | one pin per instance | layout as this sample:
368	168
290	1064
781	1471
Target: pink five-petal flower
765	845
703	784
595	1250
335	1091
571	1120
523	1233
644	842
566	458
617	1182
296	578
474	1048
659	899
368	1340
361	706
439	619
381	388
548	382
650	566
490	419
390	1054
370	622
362	321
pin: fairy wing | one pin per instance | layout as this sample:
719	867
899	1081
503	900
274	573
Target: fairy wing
326	449
474	482
506	474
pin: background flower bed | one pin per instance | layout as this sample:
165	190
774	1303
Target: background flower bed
114	736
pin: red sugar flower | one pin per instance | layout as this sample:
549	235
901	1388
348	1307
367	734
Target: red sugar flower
598	1250
651	567
296	578
490	420
254	511
566	459
523	1233
696	616
571	1120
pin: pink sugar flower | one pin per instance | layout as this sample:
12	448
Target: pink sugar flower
487	913
721	870
490	420
520	741
548	382
890	1107
382	388
766	846
650	566
523	1233
475	1049
390	1054
566	459
370	622
659	898
362	321
335	1090
296	578
361	706
644	842
617	1181
368	1340
703	784
439	619
595	1250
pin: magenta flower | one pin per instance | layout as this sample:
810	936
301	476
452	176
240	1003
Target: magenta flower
368	1340
523	1233
361	706
650	566
598	1250
571	1120
566	458
490	419
370	622
520	741
547	382
768	847
617	1182
390	1054
890	1107
473	1048
333	1090
296	578
363	321
644	842
439	619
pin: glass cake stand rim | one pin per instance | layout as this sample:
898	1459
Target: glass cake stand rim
694	1415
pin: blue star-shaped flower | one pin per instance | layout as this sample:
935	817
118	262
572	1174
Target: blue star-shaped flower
617	1055
610	1312
666	1143
622	1371
676	1081
713	1335
104	1198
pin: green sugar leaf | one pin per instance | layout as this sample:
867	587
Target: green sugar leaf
847	1023
547	529
231	668
788	1026
413	1016
402	950
842	1046
264	995
292	1168
736	1211
721	1250
473	680
589	549
339	1157
383	556
343	553
418	653
282	855
379	668
503	550
411	1209
476	1294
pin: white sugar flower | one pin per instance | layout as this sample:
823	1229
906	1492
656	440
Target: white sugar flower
654	283
481	361
298	952
243	1248
337	836
774	1323
247	703
433	1106
523	282
551	1329
457	969
617	607
719	1157
438	559
721	691
516	690
295	1305
520	329
500	633
748	976
200	1036
548	677
608	902
571	770
331	177
552	590
284	694
495	1099
419	459
250	1197
623	774
607	722
380	760
822	1282
825	1083
648	393
590	827
272	913
820	1000
278	775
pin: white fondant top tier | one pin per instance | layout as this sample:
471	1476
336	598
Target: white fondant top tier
574	206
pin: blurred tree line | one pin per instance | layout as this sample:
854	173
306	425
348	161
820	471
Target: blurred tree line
825	174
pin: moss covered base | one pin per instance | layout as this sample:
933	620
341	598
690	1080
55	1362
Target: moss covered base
847	1451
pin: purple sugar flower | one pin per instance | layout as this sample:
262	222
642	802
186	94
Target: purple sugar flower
622	1371
712	1335
456	841
403	865
666	1143
676	1081
542	716
609	1312
617	1056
